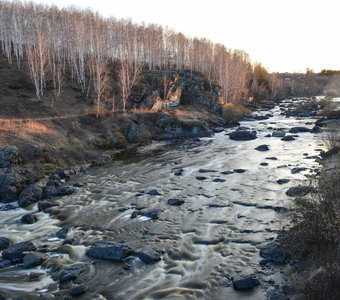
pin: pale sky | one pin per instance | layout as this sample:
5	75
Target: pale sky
284	35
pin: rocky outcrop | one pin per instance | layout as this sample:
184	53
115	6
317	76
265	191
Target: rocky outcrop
9	156
31	194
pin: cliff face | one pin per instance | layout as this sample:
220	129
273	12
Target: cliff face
172	88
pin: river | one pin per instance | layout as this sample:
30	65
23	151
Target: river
216	234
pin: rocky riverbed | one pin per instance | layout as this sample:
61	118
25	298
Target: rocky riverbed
197	220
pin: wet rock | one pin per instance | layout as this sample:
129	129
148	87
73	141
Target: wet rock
271	158
282	181
71	273
29	219
9	156
316	129
274	295
227	172
45	205
232	123
175	202
62	233
298	191
264	164
78	184
53	191
2	296
278	133
201	178
134	214
298	170
4	263
239	170
262	148
152	214
4	243
17	251
179	172
34	259
273	253
288	138
154	193
245	282
242	135
299	129
206	171
109	251
218	180
31	194
267	135
218	129
77	290
243	128
149	257
10	184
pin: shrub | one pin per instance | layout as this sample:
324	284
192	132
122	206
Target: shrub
232	112
331	138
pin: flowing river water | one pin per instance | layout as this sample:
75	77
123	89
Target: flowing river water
215	235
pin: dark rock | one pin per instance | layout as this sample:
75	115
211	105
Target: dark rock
242	135
29	219
271	158
9	156
175	202
274	295
2	296
149	257
110	251
262	148
239	170
154	193
34	259
218	180
264	164
53	191
316	129
299	129
273	253
71	273
152	214
268	135
134	214
45	205
78	184
298	191
4	263
62	233
179	172
218	129
10	184
288	138
201	178
31	194
298	170
245	282
243	128
278	133
227	172
206	171
17	251
232	123
77	290
282	181
4	243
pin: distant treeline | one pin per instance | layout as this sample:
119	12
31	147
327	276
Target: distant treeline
51	42
329	72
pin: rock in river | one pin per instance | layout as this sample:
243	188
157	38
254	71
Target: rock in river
278	133
273	253
262	148
175	202
17	252
34	259
77	290
245	282
154	193
31	194
242	135
29	219
298	191
288	138
4	243
110	251
149	257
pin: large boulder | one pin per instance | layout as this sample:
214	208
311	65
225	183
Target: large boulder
242	135
9	156
245	282
299	191
109	251
149	257
29	219
71	273
10	184
31	194
34	259
4	243
273	253
51	191
17	252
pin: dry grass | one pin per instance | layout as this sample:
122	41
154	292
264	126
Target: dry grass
233	111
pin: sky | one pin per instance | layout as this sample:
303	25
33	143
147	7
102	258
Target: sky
283	35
